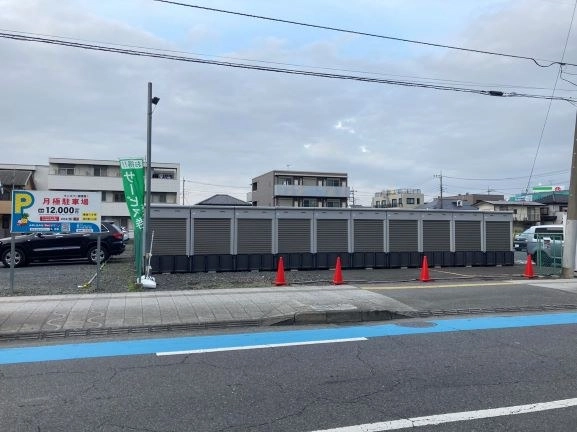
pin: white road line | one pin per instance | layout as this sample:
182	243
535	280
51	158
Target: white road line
455	417
249	347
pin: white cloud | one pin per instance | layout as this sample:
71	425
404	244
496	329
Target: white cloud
225	125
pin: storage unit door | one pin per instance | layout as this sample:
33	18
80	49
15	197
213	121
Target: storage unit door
211	236
294	235
368	235
467	236
332	235
254	236
498	236
436	235
403	236
169	236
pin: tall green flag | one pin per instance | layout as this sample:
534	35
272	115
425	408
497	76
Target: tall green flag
132	171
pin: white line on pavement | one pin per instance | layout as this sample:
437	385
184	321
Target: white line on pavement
249	347
455	417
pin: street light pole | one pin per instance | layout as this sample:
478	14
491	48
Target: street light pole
147	231
148	170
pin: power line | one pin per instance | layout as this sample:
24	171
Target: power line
140	53
360	33
300	65
550	101
508	178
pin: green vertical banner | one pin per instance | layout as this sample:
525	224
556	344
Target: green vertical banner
132	171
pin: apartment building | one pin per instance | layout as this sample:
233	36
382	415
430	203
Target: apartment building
86	175
104	176
300	189
406	198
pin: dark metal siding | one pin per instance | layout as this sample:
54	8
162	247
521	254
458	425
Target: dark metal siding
403	236
294	235
498	236
169	236
332	235
254	236
467	236
211	236
436	235
368	235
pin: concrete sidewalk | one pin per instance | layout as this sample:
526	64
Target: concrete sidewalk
101	314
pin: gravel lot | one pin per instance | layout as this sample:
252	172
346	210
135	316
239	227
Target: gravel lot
117	275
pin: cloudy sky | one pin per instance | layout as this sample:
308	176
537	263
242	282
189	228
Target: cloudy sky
227	125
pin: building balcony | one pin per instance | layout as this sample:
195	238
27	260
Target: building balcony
312	191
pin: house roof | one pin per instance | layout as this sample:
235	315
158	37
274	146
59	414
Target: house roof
448	204
555	198
511	203
15	177
222	199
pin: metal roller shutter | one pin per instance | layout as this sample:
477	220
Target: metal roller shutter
294	235
467	236
254	236
368	235
332	235
169	236
403	236
498	236
436	235
211	236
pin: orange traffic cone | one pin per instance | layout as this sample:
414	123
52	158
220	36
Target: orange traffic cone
529	268
425	270
280	273
338	278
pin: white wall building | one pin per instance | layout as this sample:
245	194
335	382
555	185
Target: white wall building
103	176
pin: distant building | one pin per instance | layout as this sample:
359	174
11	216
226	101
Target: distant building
87	175
407	198
525	213
13	177
475	198
92	175
226	200
447	204
300	189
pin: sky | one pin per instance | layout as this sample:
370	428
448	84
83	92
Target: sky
227	125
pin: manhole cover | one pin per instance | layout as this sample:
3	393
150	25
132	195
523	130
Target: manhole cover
416	324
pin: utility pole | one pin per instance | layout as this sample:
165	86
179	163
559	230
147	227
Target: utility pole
147	231
183	191
440	177
570	235
352	197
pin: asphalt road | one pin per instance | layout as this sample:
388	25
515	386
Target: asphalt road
412	369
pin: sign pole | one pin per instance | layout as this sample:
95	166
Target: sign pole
98	261
12	252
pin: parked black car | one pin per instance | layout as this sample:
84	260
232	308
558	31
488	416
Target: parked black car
58	246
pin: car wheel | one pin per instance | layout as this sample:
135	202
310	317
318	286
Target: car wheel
93	255
19	258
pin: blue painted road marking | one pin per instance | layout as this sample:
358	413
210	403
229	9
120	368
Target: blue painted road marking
287	337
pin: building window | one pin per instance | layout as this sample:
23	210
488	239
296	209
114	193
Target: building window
410	200
332	182
418	200
310	202
333	203
100	171
165	174
285	181
119	197
394	202
103	197
254	186
66	170
159	198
